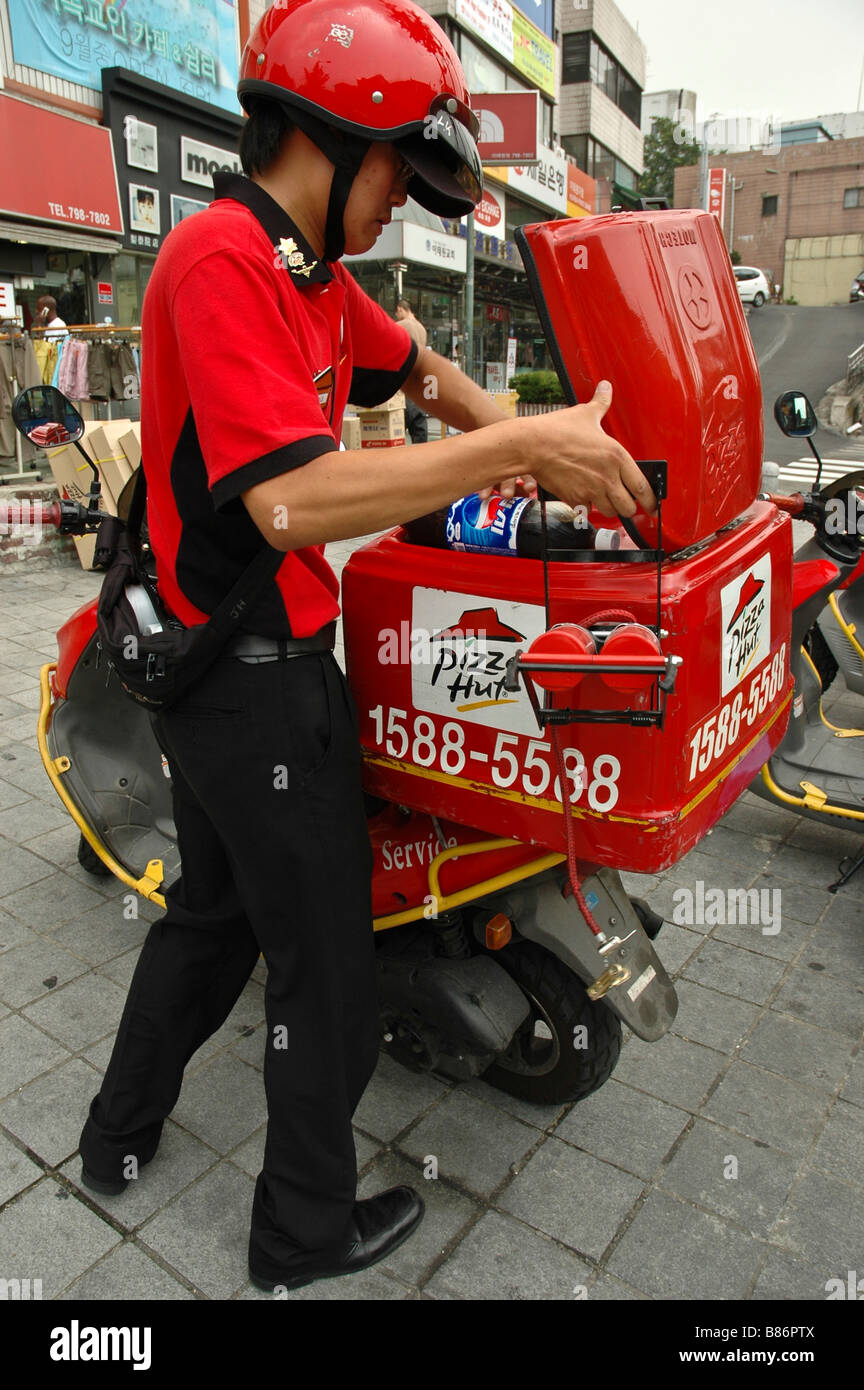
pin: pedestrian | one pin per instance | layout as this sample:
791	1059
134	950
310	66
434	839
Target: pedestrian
254	336
415	418
46	317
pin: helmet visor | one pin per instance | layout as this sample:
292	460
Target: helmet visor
448	175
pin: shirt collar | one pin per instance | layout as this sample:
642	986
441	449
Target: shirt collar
289	243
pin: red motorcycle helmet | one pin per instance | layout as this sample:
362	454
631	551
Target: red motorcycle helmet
374	70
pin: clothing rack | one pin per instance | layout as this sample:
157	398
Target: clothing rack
23	474
95	331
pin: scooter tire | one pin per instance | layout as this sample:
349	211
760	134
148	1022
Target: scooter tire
562	1072
89	860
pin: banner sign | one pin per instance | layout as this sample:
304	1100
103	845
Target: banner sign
513	36
544	182
717	193
581	192
188	45
508	127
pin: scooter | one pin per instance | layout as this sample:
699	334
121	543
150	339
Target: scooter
818	769
530	729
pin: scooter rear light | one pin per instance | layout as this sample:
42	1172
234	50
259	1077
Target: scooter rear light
636	643
499	930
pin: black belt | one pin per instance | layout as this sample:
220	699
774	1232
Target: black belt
251	647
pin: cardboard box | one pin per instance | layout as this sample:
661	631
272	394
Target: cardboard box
381	426
130	443
351	432
103	443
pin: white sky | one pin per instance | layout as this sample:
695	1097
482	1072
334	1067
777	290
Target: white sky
792	58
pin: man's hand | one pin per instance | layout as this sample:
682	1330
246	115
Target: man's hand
522	486
574	459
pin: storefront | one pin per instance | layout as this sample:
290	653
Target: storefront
60	215
167	147
416	259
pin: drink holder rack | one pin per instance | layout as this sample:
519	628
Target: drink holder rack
663	668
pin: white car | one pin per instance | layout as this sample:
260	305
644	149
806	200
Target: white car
753	286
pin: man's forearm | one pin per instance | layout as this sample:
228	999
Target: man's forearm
351	493
439	387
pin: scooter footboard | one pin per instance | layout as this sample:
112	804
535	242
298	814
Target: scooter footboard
626	973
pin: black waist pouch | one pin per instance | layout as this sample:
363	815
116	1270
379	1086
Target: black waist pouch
155	657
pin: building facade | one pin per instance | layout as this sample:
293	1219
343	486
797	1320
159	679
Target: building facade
602	79
796	212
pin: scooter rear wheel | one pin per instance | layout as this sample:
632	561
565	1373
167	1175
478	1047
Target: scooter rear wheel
544	1062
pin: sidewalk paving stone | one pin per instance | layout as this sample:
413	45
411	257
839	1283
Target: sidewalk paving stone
79	1013
813	1056
672	1070
204	1233
768	1107
36	968
127	1273
503	1259
816	997
624	1127
25	1053
241	1106
598	1197
713	1019
46	1234
732	970
840	1149
823	1223
673	1251
17	1172
787	944
48	1114
784	1278
476	1145
52	902
750	1191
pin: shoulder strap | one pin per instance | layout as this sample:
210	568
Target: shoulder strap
248	587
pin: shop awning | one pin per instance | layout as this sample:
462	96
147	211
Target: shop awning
418	236
58	237
59	172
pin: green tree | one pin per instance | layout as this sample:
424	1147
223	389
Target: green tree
666	149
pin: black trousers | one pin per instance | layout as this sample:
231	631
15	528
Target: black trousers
416	423
271	828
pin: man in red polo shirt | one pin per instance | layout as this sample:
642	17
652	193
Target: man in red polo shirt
254	338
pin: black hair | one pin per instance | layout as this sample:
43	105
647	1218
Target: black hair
263	133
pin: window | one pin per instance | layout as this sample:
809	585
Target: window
577	147
518	213
575	52
546	123
769	205
482	73
583	59
853	198
625	177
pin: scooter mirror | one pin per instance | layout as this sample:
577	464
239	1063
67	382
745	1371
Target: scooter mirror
47	417
795	415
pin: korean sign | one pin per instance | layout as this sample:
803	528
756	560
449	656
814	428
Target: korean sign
189	45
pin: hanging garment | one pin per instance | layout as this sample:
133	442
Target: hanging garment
99	371
18	369
61	348
47	356
124	373
73	379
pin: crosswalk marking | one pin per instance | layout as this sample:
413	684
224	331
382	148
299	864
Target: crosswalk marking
803	471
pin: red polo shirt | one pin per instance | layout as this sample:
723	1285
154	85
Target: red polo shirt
251	348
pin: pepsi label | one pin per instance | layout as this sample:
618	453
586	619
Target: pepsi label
484	526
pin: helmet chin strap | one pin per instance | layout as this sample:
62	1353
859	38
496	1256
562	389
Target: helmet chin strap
346	153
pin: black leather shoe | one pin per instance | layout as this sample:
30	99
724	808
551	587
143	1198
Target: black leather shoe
108	1187
379	1225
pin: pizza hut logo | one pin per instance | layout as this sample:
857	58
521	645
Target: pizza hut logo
470	658
746	618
